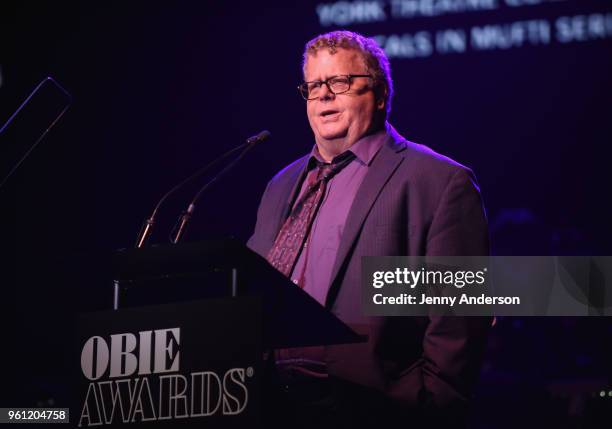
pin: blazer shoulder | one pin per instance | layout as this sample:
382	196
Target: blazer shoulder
430	170
421	159
428	160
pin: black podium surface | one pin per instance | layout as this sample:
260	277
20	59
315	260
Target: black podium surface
222	268
185	347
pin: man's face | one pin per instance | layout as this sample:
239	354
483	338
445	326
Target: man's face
346	116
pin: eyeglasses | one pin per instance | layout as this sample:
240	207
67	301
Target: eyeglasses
335	84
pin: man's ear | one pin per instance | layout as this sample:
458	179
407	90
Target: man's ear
381	96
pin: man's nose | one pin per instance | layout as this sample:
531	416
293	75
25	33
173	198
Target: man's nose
325	93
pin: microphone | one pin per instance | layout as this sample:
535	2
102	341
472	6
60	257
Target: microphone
263	135
147	227
179	229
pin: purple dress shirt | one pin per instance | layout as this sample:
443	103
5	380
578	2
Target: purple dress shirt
318	256
316	260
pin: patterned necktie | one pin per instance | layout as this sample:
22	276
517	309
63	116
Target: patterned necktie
291	238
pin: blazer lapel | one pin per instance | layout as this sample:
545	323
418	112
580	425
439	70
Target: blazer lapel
287	196
381	169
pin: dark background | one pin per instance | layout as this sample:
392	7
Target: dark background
158	91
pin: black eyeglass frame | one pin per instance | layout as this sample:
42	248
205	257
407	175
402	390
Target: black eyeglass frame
303	87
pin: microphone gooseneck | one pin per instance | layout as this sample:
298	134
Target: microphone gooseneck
147	227
183	220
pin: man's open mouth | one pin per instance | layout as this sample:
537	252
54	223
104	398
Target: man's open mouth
326	113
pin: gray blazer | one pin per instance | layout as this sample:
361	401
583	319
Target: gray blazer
413	201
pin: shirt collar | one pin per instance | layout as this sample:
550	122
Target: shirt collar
364	149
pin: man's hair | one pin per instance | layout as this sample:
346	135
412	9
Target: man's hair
376	61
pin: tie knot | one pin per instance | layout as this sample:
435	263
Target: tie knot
327	170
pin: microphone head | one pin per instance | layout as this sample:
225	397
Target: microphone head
263	135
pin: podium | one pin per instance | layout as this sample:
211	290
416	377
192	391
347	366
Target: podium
185	342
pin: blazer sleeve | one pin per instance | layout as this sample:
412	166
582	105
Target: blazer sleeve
453	346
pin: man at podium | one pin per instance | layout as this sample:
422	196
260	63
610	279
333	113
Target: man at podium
364	190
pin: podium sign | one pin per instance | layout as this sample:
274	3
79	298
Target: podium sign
194	364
